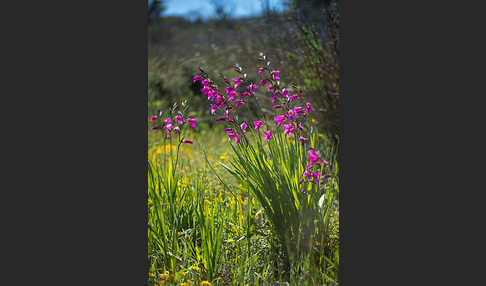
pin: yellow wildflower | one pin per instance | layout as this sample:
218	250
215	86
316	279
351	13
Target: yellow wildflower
313	120
230	240
180	233
205	283
195	268
151	274
207	202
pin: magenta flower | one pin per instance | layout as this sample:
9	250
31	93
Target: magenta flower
308	107
260	70
237	81
192	122
221	119
228	130
314	158
196	78
153	117
289	129
268	135
280	119
176	130
155	128
293	97
276	75
237	139
258	124
246	93
300	126
291	115
214	107
179	119
168	127
303	139
285	92
168	120
299	110
231	95
205	82
243	127
263	81
239	102
277	106
186	141
269	87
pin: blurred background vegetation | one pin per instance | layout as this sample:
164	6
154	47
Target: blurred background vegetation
299	37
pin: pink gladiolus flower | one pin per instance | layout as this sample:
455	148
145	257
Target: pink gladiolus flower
258	124
246	93
299	110
214	107
285	92
314	158
168	120
291	115
303	139
237	139
186	141
269	87
176	130
237	81
221	119
263	81
260	70
268	135
196	78
289	129
277	106
300	126
168	127
192	122
280	119
308	107
228	89
243	127
179	119
153	117
293	97
276	75
239	102
155	128
205	82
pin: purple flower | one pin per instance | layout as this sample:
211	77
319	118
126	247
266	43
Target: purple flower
155	127
258	124
269	87
291	115
277	106
243	127
303	139
260	70
168	127
186	141
263	81
280	119
153	117
192	122
308	107
293	97
214	107
168	120
221	119
300	126
268	135
237	81
299	110
289	129
314	158
239	102
179	119
276	75
285	92
246	93
205	82
196	78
